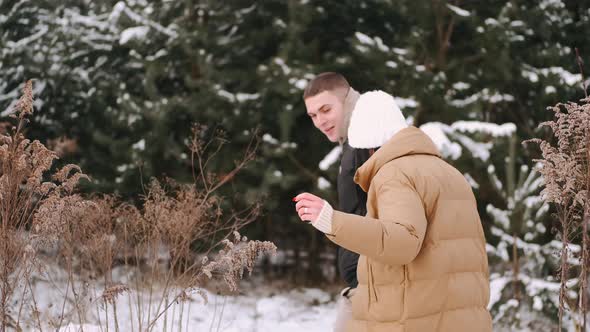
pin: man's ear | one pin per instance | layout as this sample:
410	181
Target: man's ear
341	93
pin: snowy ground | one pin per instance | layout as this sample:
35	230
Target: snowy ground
261	308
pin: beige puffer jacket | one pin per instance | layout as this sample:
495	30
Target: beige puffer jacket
423	264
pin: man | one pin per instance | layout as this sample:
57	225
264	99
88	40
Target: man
423	263
329	100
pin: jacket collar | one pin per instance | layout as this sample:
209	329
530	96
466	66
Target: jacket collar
406	142
350	100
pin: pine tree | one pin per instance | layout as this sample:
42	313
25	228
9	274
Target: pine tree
523	259
127	79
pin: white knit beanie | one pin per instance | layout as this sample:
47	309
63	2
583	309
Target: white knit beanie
375	119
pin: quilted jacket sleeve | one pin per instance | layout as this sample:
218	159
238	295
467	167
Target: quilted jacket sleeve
395	237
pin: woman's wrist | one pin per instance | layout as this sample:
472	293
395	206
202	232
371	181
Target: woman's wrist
324	220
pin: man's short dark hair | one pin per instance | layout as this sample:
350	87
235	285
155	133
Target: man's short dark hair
328	81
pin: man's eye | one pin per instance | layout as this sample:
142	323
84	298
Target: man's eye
325	110
312	116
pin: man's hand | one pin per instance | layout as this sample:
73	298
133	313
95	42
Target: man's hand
308	206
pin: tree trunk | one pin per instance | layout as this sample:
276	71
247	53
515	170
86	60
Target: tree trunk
515	268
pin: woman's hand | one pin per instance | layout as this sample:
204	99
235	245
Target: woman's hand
308	206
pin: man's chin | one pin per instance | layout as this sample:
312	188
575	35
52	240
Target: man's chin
332	139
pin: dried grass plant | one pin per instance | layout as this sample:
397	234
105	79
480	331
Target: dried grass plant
566	173
45	220
25	185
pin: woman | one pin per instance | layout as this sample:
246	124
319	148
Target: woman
423	264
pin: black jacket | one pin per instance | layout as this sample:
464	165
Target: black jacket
352	199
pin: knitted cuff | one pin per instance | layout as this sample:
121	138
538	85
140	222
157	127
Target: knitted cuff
324	220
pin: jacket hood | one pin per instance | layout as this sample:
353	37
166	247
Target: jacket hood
407	141
374	120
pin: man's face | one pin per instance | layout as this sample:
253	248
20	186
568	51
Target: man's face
326	111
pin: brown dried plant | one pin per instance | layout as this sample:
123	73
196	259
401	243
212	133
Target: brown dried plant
566	173
235	257
43	218
24	187
182	217
156	239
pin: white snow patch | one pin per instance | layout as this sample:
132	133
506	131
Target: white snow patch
461	86
537	303
269	139
551	3
500	216
27	40
381	45
261	309
483	95
300	84
491	21
137	33
497	284
471	181
158	54
405	102
481	150
288	145
227	95
530	75
323	183
391	64
139	145
364	39
330	158
477	149
283	65
241	97
247	10
459	11
496	130
400	51
436	132
566	77
121	8
376	41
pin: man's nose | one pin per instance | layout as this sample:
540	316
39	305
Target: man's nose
321	120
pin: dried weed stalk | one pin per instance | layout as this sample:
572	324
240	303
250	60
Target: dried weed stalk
566	172
24	187
88	237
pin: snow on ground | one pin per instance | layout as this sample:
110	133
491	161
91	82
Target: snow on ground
297	310
261	308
